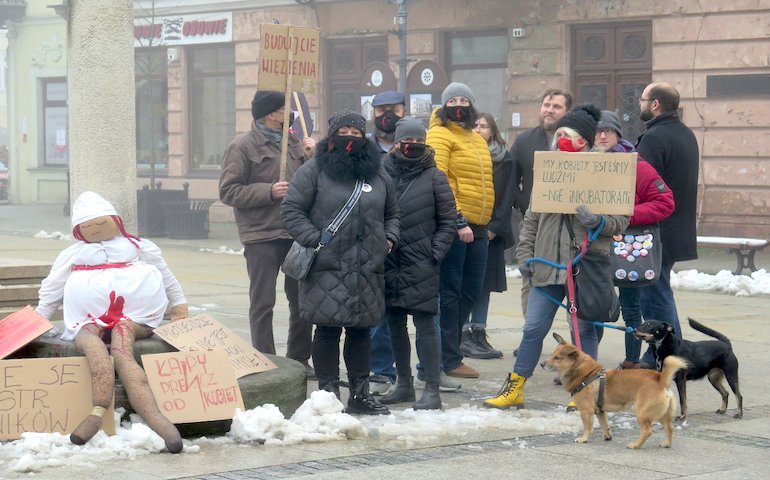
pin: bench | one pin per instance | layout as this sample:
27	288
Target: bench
743	248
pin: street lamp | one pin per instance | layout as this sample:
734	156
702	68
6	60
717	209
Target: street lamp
400	20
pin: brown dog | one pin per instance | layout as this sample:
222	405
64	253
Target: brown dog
596	392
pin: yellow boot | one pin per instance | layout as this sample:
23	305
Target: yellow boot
571	407
511	395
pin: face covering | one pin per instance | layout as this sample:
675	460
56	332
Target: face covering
565	145
458	114
412	150
348	144
291	118
387	121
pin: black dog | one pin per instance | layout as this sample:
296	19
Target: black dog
712	358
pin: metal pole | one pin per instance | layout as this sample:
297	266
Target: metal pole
402	61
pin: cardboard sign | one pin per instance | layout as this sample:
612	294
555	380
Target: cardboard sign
46	395
20	328
288	52
605	182
202	332
193	386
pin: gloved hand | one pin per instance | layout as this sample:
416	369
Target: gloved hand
527	270
586	218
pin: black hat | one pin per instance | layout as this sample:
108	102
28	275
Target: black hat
266	102
346	118
583	120
388	98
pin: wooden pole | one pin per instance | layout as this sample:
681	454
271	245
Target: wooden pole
286	106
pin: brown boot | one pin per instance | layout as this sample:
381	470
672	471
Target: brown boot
463	371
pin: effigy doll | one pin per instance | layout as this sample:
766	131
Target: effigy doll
114	287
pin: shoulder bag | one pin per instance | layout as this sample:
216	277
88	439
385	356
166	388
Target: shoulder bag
300	259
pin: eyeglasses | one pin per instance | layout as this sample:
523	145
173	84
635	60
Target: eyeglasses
606	131
641	99
482	126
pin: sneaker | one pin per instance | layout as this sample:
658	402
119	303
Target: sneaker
379	384
445	384
626	365
463	371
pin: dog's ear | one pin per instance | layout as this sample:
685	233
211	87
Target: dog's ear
669	328
559	338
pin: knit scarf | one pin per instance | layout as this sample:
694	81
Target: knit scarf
497	151
272	135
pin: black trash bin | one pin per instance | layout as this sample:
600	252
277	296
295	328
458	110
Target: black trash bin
187	220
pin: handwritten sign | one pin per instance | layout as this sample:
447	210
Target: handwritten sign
20	328
202	332
46	395
288	51
606	182
193	386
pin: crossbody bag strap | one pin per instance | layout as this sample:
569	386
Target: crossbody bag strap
331	230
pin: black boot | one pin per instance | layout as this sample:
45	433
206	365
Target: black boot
402	392
361	402
480	335
468	346
430	399
332	386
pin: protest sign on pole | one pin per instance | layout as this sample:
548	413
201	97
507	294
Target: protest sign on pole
46	395
193	386
288	61
203	332
605	182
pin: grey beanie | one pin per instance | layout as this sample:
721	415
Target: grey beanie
409	127
457	89
611	120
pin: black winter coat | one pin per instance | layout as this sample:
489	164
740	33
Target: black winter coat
345	286
671	147
428	227
523	153
500	225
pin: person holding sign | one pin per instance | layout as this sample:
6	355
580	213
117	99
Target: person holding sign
250	183
547	238
346	283
114	287
654	201
463	155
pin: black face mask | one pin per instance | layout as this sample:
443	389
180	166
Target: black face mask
387	121
458	114
412	150
291	118
347	144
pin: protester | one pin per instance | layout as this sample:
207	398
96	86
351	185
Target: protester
653	203
670	147
474	343
250	183
546	236
428	216
389	108
345	286
463	156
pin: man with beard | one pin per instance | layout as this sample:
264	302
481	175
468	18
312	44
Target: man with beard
670	147
389	108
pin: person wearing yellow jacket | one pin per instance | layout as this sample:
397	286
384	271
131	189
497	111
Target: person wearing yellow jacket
463	155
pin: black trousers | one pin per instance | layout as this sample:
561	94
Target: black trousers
402	349
263	262
326	353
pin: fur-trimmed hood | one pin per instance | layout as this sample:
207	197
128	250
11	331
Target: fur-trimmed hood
342	166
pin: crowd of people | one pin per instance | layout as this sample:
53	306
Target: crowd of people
428	216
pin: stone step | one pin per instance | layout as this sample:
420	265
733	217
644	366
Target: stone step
14	271
18	295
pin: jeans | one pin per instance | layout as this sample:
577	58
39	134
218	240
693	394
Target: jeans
658	303
537	322
631	307
382	354
461	281
479	313
426	331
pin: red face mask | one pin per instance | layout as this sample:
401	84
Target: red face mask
566	145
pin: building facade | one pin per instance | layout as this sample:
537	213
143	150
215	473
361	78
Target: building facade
197	69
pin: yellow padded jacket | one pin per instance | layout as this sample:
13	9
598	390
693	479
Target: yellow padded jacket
463	155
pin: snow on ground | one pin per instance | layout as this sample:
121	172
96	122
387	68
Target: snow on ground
319	419
54	235
222	249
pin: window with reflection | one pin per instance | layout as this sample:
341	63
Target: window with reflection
151	72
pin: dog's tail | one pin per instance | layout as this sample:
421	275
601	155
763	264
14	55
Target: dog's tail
711	333
671	365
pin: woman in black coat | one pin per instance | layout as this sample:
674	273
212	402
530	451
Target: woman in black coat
428	226
345	286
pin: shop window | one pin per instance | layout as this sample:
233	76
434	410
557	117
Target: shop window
55	142
480	60
151	72
212	104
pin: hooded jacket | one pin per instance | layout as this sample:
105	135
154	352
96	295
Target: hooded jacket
427	229
463	155
345	286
